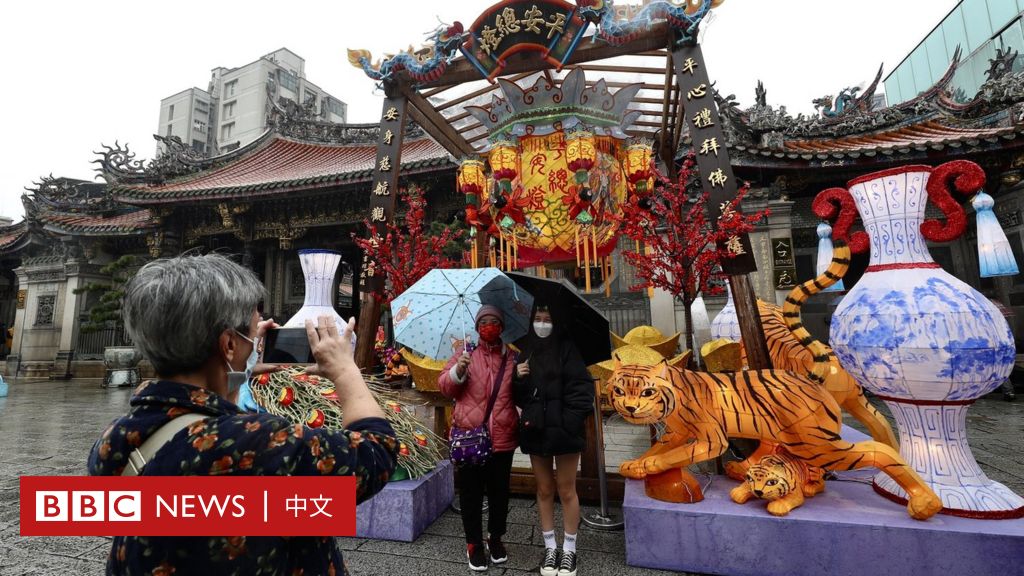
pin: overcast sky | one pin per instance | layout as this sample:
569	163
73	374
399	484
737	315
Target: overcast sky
84	73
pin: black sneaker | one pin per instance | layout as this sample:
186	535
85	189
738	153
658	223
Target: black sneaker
567	567
499	555
477	557
550	565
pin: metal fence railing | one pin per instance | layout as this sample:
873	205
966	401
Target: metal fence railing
625	311
91	345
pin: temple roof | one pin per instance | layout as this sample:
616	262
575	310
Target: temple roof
99	225
900	143
279	164
932	126
12	236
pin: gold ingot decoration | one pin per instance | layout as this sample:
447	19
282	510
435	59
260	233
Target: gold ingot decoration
722	355
648	336
425	371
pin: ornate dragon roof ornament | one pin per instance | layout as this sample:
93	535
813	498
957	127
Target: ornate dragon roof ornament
546	108
684	17
423	65
117	164
68	196
301	122
1002	64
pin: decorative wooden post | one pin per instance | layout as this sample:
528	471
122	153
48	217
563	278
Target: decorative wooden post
382	212
701	112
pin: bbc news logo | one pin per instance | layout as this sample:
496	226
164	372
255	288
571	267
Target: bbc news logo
188	506
88	506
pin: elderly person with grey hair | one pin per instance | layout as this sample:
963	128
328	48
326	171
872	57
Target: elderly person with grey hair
194	318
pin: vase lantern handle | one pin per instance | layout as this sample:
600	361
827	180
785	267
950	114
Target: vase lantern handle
837	206
964	177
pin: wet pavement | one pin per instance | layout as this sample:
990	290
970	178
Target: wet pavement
47	428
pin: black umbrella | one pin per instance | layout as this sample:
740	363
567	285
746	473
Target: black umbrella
587	326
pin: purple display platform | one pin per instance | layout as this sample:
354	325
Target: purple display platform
403	510
848	529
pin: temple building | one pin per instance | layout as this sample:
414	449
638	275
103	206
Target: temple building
305	183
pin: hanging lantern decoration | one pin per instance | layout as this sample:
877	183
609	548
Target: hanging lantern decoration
557	152
639	175
471	181
994	254
825	255
504	159
581	154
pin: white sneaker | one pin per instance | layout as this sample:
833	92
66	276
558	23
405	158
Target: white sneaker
567	567
550	565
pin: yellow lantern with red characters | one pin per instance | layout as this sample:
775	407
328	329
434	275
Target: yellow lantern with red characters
471	180
581	155
558	158
639	171
504	160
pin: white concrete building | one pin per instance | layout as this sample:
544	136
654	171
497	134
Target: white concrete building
233	110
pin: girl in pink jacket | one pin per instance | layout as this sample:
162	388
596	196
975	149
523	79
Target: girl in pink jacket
469	379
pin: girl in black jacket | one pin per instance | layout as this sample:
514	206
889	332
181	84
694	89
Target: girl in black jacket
556	394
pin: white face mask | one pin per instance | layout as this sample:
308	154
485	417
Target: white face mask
543	329
236	379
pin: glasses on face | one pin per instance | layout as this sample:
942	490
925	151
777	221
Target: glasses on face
255	341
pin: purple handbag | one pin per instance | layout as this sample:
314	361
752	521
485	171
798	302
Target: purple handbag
472	446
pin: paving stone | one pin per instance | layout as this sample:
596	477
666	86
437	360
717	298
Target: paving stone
79	412
350	543
366	563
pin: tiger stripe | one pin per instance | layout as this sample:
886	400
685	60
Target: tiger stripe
795	301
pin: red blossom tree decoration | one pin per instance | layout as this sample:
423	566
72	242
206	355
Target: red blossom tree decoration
407	251
682	251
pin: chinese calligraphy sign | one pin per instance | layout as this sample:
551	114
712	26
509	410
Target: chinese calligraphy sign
711	152
549	27
386	170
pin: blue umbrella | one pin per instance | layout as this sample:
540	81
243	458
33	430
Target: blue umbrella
436	316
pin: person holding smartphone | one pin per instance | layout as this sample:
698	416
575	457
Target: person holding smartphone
195	319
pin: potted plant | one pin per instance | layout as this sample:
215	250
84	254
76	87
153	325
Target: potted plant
121	358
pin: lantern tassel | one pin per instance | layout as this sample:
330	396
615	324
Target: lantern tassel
995	257
576	244
825	255
586	262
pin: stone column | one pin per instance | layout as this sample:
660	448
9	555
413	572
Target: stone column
663	313
760	242
21	301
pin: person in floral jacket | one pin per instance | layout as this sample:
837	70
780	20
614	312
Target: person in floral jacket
195	319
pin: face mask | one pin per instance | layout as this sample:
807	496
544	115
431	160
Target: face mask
236	379
543	329
490	333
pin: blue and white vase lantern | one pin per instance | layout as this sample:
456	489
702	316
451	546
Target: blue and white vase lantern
726	323
318	268
922	340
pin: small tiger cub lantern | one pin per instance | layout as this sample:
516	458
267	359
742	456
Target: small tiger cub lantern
780	479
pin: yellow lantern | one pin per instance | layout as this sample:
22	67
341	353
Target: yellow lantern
471	180
637	166
581	155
